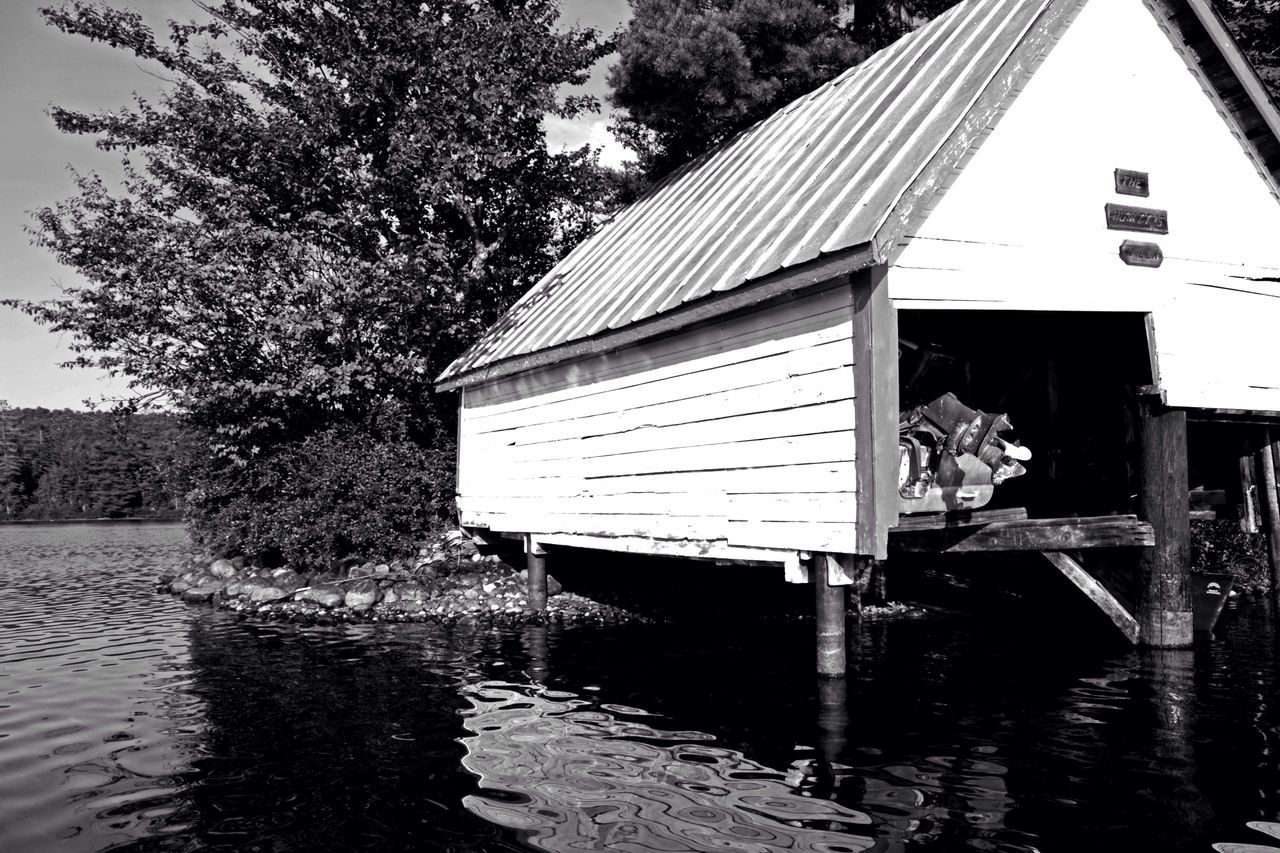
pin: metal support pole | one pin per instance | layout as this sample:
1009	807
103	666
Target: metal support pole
829	607
536	570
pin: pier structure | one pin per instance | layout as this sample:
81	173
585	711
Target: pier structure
1062	210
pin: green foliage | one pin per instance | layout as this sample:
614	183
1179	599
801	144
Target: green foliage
691	73
1256	27
63	464
326	206
337	492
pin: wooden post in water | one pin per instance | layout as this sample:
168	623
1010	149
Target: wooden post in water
1248	494
1164	570
536	570
829	608
1269	503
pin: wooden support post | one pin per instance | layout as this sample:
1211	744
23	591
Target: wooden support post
1164	570
875	410
536	571
1248	495
829	608
1270	506
833	727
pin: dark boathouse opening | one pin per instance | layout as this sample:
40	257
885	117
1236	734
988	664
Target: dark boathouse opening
1066	381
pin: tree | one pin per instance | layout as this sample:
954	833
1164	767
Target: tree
10	462
1256	26
691	73
328	202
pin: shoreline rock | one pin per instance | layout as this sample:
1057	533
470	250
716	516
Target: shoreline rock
449	582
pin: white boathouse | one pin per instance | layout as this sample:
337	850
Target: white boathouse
1084	193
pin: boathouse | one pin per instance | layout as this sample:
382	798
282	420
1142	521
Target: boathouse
1065	211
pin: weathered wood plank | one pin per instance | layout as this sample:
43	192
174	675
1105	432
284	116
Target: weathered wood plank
800	361
1095	592
1058	534
817	318
957	520
875	381
809	478
790	421
780	386
833	446
705	549
796	506
801	535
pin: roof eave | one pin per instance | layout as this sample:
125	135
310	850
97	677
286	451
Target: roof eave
823	271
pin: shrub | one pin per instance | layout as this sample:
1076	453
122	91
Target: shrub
1221	546
338	493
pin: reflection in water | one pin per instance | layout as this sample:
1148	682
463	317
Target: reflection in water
573	776
131	722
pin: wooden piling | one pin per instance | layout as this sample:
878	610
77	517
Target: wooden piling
1164	570
536	570
829	607
1249	522
1269	503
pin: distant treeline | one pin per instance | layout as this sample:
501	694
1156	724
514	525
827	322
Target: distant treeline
65	464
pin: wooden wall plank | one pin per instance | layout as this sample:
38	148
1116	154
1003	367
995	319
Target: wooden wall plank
792	421
727	341
839	538
744	429
769	479
783	381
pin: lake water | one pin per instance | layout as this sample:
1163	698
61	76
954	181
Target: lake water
129	721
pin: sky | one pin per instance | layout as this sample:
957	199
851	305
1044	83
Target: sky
40	66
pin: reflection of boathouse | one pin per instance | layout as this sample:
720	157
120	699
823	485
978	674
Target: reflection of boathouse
1065	210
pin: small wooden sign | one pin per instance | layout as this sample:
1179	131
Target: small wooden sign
1138	254
1129	182
1122	217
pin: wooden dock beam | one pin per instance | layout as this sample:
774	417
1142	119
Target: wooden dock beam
536	571
1164	571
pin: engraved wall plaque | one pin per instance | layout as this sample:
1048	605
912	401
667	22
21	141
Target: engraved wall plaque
1129	182
1122	217
1138	254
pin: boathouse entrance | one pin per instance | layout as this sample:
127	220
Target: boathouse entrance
1066	381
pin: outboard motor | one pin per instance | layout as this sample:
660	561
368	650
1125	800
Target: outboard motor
952	457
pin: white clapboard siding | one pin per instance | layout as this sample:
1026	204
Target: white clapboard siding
748	386
813	506
686	439
1022	226
723	342
712	549
783	450
802	535
800	420
778	479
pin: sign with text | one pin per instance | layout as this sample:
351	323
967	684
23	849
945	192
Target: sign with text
1139	254
1129	182
1122	217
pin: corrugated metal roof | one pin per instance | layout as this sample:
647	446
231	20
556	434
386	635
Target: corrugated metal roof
817	177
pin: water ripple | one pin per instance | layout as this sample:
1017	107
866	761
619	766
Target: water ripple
570	777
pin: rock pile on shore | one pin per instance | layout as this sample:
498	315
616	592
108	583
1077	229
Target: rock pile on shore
449	581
